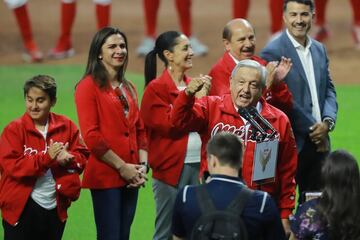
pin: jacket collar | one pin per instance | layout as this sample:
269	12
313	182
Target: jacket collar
231	63
169	84
54	123
227	106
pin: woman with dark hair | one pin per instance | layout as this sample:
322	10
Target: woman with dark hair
336	214
174	154
110	123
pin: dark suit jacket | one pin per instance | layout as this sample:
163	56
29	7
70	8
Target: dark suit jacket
301	116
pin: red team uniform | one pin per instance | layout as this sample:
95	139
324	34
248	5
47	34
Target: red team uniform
279	95
214	114
24	158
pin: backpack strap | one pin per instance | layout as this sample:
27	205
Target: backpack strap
204	200
238	203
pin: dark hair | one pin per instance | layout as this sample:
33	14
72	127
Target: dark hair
227	147
340	202
165	41
95	67
306	2
227	33
43	82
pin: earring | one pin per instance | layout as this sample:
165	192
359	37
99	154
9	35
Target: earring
171	69
100	57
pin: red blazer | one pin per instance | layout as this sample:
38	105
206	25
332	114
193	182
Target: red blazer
24	158
215	114
104	126
278	96
167	144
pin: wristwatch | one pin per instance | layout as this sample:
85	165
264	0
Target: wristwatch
146	165
330	123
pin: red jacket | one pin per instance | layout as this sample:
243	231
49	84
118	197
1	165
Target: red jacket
278	96
215	114
167	144
24	158
104	126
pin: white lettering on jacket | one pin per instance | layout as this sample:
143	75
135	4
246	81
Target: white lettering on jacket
31	151
221	127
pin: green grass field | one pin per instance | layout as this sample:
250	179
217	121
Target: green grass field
80	225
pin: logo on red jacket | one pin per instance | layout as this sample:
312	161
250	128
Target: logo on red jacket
240	131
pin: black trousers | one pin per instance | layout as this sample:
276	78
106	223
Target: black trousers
308	174
35	223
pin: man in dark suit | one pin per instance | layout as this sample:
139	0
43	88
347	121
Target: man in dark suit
314	98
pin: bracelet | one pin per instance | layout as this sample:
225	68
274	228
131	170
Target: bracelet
146	165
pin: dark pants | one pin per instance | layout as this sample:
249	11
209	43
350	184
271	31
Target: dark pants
308	175
114	211
35	223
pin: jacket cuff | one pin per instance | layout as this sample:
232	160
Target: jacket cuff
186	98
100	150
278	87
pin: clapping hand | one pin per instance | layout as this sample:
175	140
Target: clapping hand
54	149
196	84
282	69
64	157
277	71
205	89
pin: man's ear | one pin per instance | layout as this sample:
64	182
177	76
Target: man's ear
53	102
213	161
226	44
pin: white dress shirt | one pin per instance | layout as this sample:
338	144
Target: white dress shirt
308	66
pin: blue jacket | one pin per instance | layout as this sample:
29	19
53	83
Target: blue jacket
301	115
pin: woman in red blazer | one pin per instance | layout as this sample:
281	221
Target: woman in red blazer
174	154
109	121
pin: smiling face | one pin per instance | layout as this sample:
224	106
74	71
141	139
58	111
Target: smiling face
242	42
38	105
246	87
181	56
298	18
113	52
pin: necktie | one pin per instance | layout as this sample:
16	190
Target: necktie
122	99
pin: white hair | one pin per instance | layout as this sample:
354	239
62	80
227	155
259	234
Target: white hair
252	64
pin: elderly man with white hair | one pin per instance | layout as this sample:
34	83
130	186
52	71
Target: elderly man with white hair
212	114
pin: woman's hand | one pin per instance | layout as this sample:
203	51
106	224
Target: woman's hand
205	89
133	174
196	84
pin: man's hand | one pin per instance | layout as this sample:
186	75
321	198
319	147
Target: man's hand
64	157
271	70
318	132
282	69
319	136
54	149
277	71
